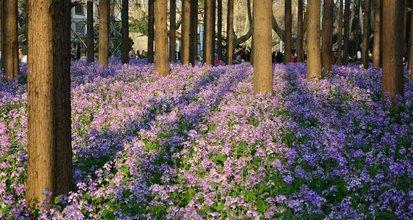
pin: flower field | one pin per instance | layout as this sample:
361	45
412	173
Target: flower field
198	144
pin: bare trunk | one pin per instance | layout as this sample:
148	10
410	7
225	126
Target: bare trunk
366	34
194	32
104	11
346	31
327	46
49	117
10	51
219	27
161	37
172	31
125	31
151	30
377	34
262	46
186	32
313	50
230	33
340	34
209	33
288	31
300	31
393	48
411	47
89	37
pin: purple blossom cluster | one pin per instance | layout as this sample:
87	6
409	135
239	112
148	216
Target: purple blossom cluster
198	144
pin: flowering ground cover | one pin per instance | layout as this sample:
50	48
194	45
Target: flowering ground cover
198	145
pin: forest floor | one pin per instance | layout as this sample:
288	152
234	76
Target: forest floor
198	145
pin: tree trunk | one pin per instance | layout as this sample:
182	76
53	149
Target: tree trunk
209	33
328	29
219	27
262	46
300	31
10	44
90	34
313	50
161	37
172	30
288	31
194	32
393	48
230	33
346	31
151	30
366	34
377	34
104	11
186	32
340	34
125	31
49	117
411	47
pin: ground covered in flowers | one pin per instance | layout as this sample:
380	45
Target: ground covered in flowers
198	145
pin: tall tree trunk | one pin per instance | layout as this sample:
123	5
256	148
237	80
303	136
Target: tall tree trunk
313	50
186	31
262	46
219	27
172	30
90	35
288	31
49	117
230	33
366	33
328	29
209	33
393	48
340	34
161	37
194	32
300	31
377	33
1	33
125	31
410	21
151	30
10	44
104	11
346	31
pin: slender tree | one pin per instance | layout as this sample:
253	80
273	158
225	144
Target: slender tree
410	21
366	33
151	30
340	34
346	37
1	33
300	31
209	33
186	32
90	32
230	32
125	31
10	51
288	19
377	33
313	44
262	46
219	29
49	121
161	37
393	48
104	11
327	32
172	30
194	32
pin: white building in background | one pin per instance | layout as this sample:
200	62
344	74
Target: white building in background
79	16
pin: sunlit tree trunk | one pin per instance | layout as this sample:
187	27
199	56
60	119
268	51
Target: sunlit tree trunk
49	120
327	46
262	46
340	34
313	44
90	32
219	27
209	33
194	32
377	34
366	33
186	32
10	53
172	30
300	31
125	31
346	36
161	37
393	48
288	31
151	30
230	33
104	11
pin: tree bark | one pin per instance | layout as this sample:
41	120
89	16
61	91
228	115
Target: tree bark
411	47
10	44
230	33
262	46
328	29
340	34
366	34
104	11
288	31
125	31
393	48
377	34
219	27
161	38
186	32
209	33
300	31
313	44
49	114
346	31
151	30
1	33
90	33
172	30
194	32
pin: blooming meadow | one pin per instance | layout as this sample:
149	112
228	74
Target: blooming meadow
198	144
